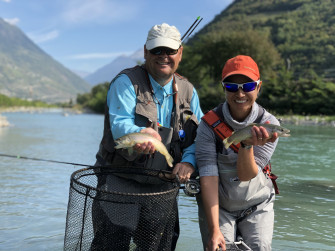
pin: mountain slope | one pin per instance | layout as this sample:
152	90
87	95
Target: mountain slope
109	71
28	72
303	31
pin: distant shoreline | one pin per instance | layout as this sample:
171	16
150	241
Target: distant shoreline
308	120
33	109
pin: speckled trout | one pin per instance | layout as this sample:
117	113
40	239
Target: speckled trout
245	133
129	140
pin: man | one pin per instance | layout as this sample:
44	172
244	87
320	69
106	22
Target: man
151	99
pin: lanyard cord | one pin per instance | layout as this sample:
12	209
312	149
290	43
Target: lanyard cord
174	88
175	96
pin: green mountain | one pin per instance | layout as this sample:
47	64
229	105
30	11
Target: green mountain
293	42
303	31
28	72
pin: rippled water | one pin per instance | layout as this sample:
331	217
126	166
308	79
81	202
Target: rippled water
34	194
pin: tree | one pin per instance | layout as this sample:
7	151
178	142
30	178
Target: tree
204	59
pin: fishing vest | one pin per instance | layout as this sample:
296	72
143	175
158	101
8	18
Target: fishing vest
235	194
146	116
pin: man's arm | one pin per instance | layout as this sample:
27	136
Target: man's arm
121	101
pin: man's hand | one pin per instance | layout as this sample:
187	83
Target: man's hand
184	171
147	147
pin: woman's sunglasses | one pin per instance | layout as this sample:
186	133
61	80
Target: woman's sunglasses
160	50
246	87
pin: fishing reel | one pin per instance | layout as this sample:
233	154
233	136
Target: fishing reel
192	187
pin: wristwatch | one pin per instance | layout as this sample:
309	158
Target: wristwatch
245	146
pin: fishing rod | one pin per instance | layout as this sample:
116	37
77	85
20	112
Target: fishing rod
194	28
191	187
196	22
45	160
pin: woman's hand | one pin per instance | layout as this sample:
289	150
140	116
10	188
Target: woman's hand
260	136
216	241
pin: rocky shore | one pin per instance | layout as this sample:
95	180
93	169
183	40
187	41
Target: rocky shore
3	121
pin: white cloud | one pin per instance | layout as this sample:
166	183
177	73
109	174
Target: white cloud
98	55
12	21
6	1
43	37
98	11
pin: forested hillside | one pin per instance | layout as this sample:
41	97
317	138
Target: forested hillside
293	41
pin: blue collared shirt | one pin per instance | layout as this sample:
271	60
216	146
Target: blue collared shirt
121	101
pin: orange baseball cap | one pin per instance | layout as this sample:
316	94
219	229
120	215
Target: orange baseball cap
243	65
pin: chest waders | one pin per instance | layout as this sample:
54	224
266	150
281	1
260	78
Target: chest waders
234	194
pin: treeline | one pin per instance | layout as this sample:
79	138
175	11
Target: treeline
281	93
96	99
6	101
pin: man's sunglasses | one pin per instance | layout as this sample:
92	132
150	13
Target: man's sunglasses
160	50
246	87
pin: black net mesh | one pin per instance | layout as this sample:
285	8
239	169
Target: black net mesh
108	211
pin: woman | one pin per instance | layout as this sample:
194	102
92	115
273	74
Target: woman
236	196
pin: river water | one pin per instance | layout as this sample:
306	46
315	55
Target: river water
34	194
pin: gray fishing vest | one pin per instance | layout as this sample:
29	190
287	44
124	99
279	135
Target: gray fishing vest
235	194
146	116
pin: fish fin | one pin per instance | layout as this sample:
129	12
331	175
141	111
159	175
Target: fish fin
226	143
117	146
130	150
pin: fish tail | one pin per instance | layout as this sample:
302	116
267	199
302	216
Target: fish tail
169	160
226	143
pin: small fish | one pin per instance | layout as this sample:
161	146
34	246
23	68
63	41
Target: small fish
129	140
245	133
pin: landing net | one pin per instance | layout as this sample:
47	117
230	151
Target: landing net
110	210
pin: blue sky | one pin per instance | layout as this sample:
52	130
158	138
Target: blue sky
85	35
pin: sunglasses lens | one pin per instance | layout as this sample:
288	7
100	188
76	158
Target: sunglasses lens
171	51
248	87
231	87
156	51
161	50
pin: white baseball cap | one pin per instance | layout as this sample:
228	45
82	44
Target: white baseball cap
163	35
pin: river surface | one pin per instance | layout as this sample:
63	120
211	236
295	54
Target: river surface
34	194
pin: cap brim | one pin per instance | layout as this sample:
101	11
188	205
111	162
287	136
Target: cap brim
162	42
248	74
